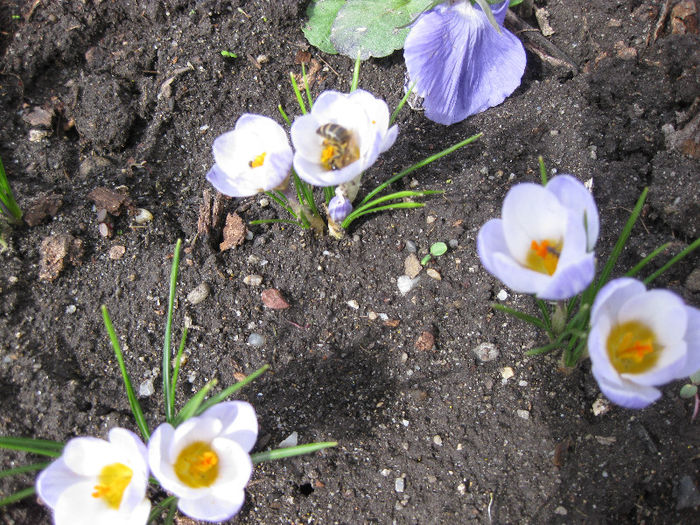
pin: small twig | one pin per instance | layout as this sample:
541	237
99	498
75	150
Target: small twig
297	325
329	67
660	23
488	509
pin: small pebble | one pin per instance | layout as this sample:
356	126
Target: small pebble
434	274
37	135
406	284
385	472
523	414
430	219
264	203
600	406
437	440
70	309
253	280
199	294
486	352
143	216
399	484
146	388
411	247
412	266
507	373
290	441
116	252
453	243
561	511
372	316
462	488
272	298
352	303
256	340
502	295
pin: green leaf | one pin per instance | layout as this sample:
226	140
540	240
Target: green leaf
43	447
695	378
688	391
17	496
438	249
23	469
168	387
369	28
280	453
317	30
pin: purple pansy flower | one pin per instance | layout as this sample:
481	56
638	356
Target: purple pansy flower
543	243
460	63
640	339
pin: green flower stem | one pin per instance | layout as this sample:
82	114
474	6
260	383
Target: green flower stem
281	453
168	388
133	401
355	74
543	170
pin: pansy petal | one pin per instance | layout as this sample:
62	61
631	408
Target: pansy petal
238	420
692	338
628	395
211	508
574	196
460	64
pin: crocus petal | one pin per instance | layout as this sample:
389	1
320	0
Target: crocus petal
569	280
627	394
235	466
663	312
53	480
87	455
211	508
692	338
611	298
575	197
238	422
460	64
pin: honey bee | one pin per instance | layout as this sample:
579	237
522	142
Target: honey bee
339	146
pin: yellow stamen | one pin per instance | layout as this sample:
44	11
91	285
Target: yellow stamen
543	256
632	348
112	483
197	465
327	155
258	161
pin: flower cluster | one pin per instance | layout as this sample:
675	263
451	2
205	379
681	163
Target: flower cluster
543	245
334	144
204	462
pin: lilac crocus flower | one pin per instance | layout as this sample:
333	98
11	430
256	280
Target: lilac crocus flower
640	339
253	157
543	244
460	63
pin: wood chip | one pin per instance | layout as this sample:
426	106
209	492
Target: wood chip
42	208
55	252
234	232
426	341
110	200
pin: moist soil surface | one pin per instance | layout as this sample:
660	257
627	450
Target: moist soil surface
128	97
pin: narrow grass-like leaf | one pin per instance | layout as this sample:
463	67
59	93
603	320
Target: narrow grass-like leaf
686	251
133	402
546	319
401	104
393	196
17	496
328	193
544	349
300	99
160	507
284	115
306	87
168	388
170	517
543	170
395	206
224	394
281	453
419	165
42	447
520	315
23	469
641	264
355	74
7	199
178	361
277	197
193	404
621	241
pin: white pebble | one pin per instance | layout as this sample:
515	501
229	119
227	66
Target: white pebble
253	280
352	303
507	373
502	295
198	295
486	352
399	484
406	284
146	388
523	414
143	216
290	441
256	340
437	440
70	309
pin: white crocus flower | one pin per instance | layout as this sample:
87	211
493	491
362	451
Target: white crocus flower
97	481
341	137
205	461
254	157
543	243
640	339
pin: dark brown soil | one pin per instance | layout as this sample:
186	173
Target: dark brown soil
604	99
